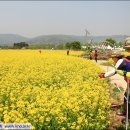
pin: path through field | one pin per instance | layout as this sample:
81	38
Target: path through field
119	81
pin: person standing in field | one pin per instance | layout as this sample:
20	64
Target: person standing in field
67	51
90	55
122	63
95	55
40	51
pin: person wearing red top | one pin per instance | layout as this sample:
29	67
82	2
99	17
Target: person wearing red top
95	55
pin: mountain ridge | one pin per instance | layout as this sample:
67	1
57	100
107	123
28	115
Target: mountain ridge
10	39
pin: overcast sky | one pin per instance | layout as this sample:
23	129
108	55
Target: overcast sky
33	18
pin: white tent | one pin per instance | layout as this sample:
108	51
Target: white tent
109	47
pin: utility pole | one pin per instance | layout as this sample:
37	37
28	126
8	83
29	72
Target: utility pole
86	34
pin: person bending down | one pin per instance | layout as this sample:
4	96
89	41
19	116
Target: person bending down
122	63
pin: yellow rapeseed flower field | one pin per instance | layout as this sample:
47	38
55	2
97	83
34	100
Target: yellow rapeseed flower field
52	90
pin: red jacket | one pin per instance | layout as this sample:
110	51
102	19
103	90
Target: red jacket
95	54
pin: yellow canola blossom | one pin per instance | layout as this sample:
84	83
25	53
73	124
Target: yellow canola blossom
52	90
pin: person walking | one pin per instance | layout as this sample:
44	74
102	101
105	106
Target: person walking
95	55
90	55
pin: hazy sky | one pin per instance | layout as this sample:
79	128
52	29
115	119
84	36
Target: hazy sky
33	18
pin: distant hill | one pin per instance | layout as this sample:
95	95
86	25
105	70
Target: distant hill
56	39
9	39
69	38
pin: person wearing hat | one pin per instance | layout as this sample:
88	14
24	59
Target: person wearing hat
122	63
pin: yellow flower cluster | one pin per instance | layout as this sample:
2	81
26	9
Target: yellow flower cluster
52	90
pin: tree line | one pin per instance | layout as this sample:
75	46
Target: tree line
75	45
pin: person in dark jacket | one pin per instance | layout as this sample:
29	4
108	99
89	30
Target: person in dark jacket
122	63
68	51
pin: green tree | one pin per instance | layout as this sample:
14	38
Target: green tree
76	45
111	42
68	45
119	44
20	45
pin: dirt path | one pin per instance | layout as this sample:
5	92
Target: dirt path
115	79
119	81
